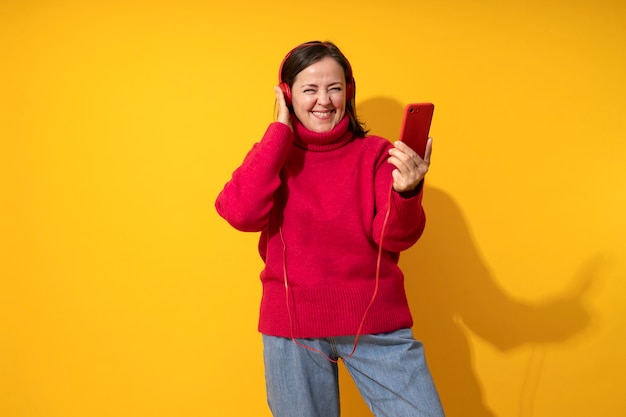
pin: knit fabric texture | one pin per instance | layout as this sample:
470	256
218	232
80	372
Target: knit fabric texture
319	201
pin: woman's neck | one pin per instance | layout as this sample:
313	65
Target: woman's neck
321	141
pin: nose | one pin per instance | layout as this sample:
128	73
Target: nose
323	98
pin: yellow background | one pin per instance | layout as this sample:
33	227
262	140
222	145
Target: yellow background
123	294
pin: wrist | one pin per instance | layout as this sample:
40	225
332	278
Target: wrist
412	193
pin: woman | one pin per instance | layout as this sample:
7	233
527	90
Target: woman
335	207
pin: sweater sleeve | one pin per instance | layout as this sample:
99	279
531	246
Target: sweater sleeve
247	199
406	217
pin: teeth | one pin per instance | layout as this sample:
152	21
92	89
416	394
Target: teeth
321	113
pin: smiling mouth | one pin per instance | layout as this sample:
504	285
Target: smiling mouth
323	114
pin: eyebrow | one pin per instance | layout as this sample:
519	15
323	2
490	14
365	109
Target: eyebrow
315	85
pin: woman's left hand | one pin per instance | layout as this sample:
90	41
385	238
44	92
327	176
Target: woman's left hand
410	167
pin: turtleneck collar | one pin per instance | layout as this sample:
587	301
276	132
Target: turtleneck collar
320	142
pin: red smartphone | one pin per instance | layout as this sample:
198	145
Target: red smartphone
416	125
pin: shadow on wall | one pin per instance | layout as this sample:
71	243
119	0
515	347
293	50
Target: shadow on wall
450	289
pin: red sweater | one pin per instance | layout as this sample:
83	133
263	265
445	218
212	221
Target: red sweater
327	194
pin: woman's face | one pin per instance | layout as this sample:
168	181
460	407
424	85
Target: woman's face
319	95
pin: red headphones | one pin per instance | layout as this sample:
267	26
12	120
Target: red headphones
350	86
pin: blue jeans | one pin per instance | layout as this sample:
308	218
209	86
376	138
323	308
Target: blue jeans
389	370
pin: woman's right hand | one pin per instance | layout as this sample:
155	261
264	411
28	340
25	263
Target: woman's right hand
283	112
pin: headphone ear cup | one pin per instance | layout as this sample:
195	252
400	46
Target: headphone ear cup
350	90
286	92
